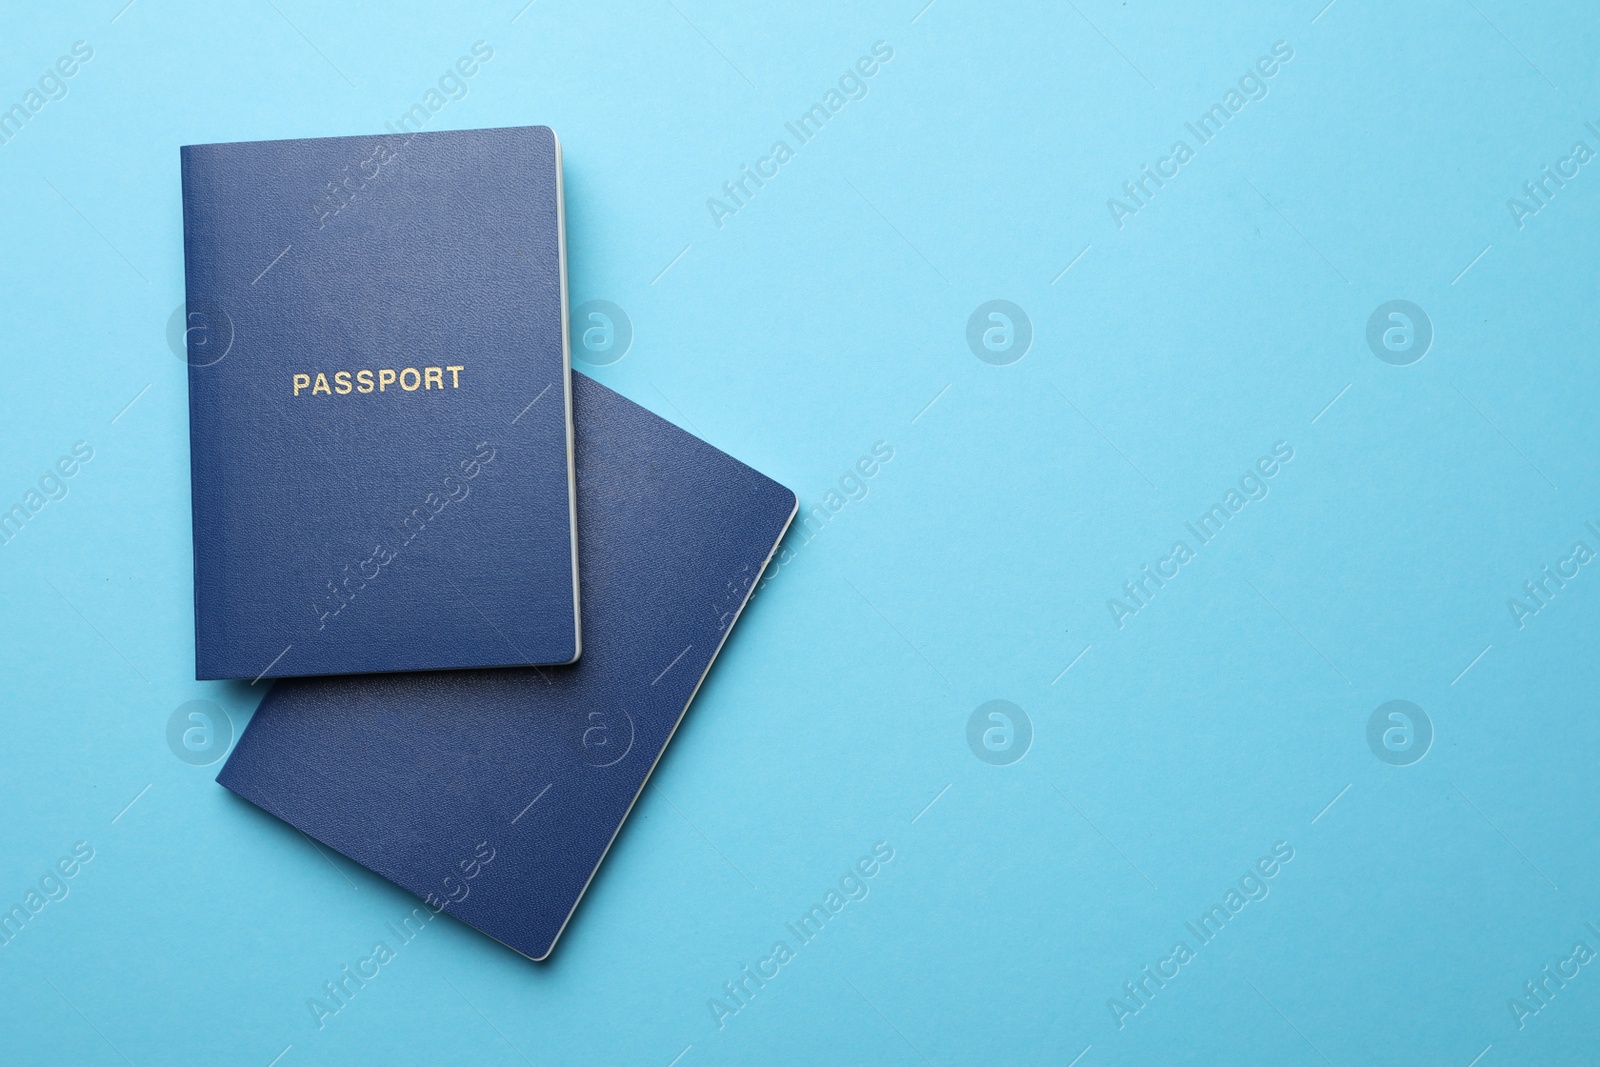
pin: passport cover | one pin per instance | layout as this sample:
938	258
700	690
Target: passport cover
494	795
379	404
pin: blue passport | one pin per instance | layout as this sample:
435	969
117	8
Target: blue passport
494	795
380	409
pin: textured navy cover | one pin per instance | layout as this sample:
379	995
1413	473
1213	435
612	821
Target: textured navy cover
421	776
365	532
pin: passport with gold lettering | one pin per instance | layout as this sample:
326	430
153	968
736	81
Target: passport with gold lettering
494	795
380	410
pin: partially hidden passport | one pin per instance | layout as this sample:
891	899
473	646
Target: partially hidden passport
494	795
379	404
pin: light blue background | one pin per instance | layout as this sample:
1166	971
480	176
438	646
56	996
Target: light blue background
823	317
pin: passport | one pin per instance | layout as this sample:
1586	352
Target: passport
379	404
494	795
